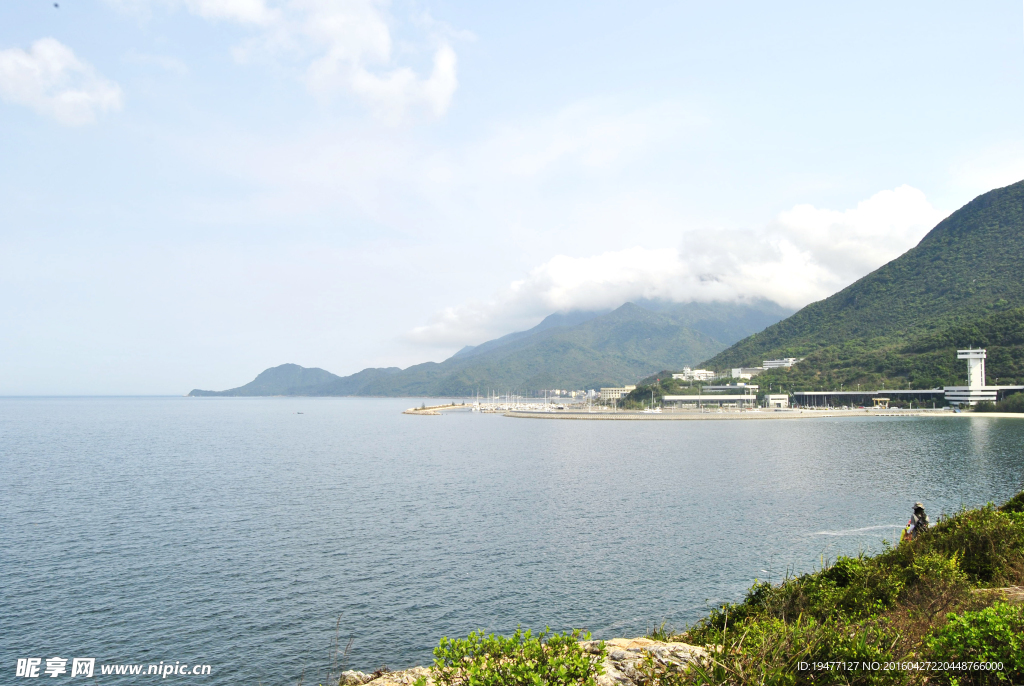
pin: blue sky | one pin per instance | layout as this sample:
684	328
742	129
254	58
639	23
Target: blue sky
194	190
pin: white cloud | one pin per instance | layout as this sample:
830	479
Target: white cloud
246	11
50	79
804	255
339	46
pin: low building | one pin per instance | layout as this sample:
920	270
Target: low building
775	364
746	372
713	399
616	393
735	387
776	401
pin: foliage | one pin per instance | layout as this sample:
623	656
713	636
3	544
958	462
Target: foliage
490	660
1014	504
662	632
994	634
1012	403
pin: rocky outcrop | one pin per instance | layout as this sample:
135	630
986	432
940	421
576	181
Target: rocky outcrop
406	677
623	658
1011	594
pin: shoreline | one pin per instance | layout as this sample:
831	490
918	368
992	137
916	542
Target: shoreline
694	415
750	415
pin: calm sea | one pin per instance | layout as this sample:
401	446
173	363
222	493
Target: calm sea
236	532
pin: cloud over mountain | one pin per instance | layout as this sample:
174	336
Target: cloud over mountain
805	254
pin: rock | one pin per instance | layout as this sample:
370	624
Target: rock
1011	594
406	677
354	678
625	657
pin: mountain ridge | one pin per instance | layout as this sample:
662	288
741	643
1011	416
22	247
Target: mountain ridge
579	349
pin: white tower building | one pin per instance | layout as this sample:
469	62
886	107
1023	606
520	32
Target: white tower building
975	366
975	389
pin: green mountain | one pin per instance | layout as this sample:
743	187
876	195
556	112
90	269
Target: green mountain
574	350
900	325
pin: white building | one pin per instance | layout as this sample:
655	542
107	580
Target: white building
775	364
776	401
695	375
615	393
746	372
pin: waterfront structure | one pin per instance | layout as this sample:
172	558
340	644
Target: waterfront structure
695	375
775	364
975	391
924	397
776	401
616	393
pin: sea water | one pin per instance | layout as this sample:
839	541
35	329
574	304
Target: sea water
261	535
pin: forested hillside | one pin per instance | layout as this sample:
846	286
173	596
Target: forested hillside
962	285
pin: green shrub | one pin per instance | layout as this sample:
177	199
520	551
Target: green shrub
995	634
520	659
773	651
1011	403
984	406
876	609
990	544
1014	504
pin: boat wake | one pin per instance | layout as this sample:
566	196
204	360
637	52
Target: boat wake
855	532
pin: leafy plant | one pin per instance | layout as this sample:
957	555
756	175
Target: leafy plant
520	659
663	632
992	635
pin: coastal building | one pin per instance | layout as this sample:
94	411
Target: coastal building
976	390
746	372
776	401
775	364
616	393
